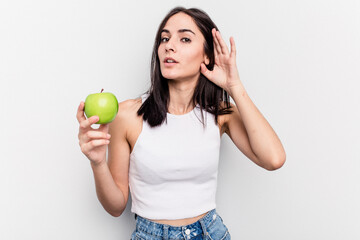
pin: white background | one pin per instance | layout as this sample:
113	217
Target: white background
298	60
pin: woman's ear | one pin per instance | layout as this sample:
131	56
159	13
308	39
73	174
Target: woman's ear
206	60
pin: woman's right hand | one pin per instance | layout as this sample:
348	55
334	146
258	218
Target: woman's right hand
93	142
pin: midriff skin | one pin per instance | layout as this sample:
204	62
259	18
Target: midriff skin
180	222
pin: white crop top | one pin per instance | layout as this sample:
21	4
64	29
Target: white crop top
174	167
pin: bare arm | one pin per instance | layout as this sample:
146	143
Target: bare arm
110	190
246	126
252	134
110	196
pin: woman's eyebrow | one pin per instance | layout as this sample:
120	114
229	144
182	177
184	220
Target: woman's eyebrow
180	31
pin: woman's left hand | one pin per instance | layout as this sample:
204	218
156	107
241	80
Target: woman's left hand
224	73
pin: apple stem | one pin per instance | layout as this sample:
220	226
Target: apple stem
102	90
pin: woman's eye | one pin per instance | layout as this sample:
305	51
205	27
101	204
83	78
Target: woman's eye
185	40
164	39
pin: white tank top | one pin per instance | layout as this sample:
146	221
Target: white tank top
174	167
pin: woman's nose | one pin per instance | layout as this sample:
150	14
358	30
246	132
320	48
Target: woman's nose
169	46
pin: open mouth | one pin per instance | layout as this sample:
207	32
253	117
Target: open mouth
170	60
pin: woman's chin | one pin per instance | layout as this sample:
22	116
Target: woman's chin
170	76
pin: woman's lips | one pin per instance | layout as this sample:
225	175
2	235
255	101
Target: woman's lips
169	62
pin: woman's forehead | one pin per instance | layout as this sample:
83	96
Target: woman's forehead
181	21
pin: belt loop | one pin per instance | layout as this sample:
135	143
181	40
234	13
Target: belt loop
203	226
165	232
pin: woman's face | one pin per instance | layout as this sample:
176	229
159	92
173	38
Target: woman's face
181	50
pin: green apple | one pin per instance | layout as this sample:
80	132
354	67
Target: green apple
103	104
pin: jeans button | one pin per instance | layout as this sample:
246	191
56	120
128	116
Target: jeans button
187	231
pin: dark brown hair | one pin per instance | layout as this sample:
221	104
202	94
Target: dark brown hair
207	94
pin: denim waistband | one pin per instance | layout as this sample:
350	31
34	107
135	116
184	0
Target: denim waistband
164	231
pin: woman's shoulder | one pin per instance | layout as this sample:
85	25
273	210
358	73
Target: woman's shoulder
127	117
130	104
129	107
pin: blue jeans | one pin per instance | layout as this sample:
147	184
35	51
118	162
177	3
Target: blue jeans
209	227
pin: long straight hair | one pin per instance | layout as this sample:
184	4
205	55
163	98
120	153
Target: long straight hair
207	94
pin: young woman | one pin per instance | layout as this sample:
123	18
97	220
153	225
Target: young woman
164	146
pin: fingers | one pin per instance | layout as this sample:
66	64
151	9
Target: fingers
92	139
86	124
205	71
87	147
80	112
91	135
233	48
104	127
221	47
217	48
